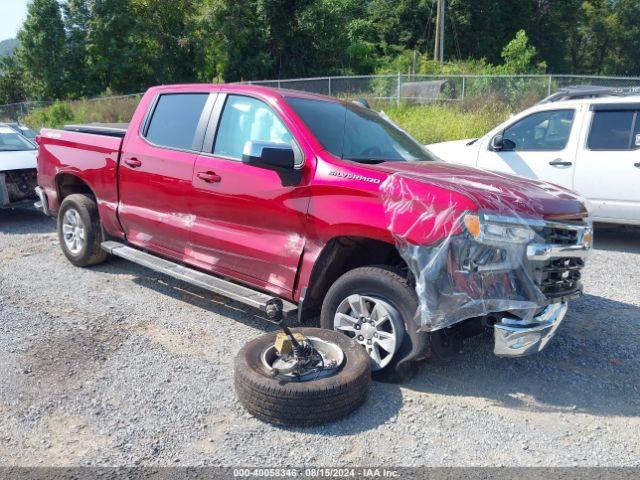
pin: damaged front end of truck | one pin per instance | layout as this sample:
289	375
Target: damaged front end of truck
506	264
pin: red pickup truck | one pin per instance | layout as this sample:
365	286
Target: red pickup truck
310	206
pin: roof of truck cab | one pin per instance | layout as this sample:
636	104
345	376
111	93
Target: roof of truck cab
246	88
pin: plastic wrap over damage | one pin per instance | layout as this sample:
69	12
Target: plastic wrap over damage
478	244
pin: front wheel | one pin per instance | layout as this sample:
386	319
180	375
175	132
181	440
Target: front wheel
372	305
79	230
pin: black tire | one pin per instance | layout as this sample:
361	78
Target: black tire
90	252
302	403
385	283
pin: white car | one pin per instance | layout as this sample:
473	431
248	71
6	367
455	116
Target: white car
590	145
17	168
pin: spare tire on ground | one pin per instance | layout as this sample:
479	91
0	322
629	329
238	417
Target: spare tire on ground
311	400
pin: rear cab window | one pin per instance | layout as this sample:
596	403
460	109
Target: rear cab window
175	119
613	129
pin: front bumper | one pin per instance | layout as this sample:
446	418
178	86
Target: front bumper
514	337
556	270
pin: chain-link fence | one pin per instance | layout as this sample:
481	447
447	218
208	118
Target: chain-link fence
515	90
13	112
111	109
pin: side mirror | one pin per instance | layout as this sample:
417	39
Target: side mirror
277	156
501	144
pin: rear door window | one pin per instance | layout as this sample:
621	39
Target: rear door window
175	120
613	130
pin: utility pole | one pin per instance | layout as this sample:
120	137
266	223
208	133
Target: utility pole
442	13
438	47
436	41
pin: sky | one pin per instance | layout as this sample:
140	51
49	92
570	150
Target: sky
12	14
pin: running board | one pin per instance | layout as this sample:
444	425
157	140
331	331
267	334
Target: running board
274	307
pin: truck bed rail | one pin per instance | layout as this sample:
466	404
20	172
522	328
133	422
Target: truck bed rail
108	129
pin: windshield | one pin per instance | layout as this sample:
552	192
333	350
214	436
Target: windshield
24	130
356	133
11	141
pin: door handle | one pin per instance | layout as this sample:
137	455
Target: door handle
637	165
209	177
560	163
133	162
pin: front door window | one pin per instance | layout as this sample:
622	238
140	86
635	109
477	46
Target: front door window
543	131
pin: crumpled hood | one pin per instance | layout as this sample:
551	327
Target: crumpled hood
491	191
18	160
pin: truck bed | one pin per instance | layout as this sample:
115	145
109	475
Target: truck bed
73	155
109	129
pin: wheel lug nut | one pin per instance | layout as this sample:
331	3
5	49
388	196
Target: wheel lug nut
360	337
368	342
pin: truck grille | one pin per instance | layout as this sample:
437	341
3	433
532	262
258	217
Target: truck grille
559	236
559	277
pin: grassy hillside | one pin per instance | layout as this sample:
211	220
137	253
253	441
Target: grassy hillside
7	47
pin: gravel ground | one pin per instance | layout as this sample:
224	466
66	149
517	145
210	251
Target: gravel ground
118	365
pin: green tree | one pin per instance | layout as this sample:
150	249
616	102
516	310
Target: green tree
481	28
311	37
589	41
551	28
253	39
234	40
624	58
77	15
117	55
520	56
12	87
169	33
405	23
42	50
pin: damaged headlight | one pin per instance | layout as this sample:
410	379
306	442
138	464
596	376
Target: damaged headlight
494	229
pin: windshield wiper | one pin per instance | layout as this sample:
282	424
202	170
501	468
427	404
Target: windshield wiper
372	161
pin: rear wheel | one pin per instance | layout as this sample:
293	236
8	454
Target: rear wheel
373	305
79	230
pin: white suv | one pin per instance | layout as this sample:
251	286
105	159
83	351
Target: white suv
590	145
